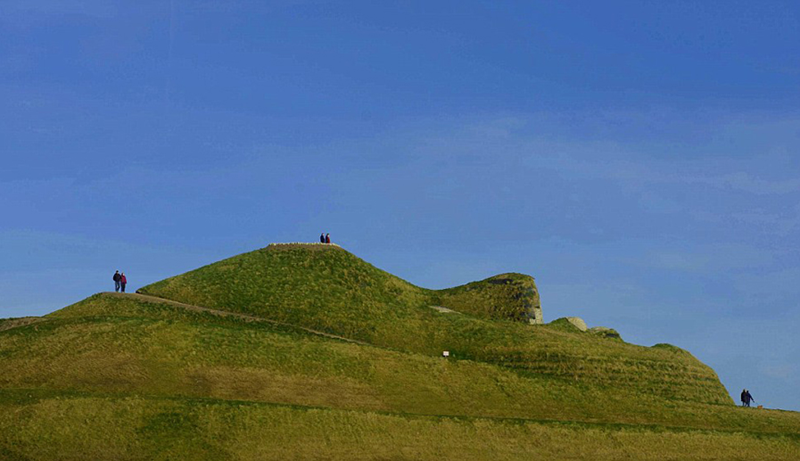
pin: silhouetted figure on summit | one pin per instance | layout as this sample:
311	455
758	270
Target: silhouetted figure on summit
322	238
327	238
117	278
746	398
123	281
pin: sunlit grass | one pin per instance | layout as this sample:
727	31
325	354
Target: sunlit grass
158	349
128	377
331	290
48	427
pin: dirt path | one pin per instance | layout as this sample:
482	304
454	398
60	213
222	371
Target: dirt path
444	310
7	324
246	317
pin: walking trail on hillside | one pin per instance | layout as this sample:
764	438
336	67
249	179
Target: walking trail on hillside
14	323
220	313
8	324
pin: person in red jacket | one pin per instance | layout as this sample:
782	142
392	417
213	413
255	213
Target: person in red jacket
123	281
327	238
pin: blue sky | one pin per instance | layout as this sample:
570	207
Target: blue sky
640	159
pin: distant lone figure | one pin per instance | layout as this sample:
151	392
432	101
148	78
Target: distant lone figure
322	238
123	281
327	238
746	398
117	279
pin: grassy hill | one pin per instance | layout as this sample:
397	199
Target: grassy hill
241	360
329	289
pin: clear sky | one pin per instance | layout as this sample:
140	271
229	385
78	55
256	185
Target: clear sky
641	159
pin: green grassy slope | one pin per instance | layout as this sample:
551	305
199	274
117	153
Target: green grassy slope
119	343
328	289
504	296
114	376
319	286
307	352
52	426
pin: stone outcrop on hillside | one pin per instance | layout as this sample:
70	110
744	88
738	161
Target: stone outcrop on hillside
569	324
578	323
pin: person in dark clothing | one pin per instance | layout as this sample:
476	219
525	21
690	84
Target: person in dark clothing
123	281
322	238
117	278
743	397
327	238
748	397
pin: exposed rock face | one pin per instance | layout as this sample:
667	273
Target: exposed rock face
572	324
505	296
578	322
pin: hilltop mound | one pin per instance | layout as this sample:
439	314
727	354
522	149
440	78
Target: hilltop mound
320	286
327	289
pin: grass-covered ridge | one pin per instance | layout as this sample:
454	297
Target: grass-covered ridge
328	289
118	343
118	374
287	280
505	296
306	351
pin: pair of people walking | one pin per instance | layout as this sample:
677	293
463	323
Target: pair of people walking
746	398
324	238
120	281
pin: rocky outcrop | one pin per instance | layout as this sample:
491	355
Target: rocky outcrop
569	324
578	322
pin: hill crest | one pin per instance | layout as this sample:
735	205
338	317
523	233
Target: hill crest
306	276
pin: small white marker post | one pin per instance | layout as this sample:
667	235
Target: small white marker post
445	354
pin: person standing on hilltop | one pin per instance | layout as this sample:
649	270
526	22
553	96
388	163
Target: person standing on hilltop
327	238
117	278
123	281
322	237
748	397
